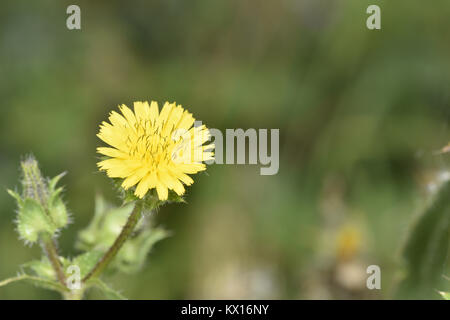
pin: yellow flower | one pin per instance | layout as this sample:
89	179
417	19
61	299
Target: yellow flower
152	149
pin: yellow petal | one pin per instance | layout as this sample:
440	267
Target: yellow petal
112	152
129	115
137	176
163	193
141	109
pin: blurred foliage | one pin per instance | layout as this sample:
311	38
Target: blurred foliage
427	249
105	227
361	115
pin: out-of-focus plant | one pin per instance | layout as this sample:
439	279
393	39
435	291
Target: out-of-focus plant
150	156
445	149
445	295
427	249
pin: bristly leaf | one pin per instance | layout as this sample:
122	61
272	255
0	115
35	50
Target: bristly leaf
37	281
427	249
32	220
57	210
56	207
54	181
16	196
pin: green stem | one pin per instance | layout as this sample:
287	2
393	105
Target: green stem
52	254
127	230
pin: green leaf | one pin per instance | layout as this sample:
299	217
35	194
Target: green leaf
445	295
103	230
32	220
133	254
58	212
40	268
427	249
39	282
106	290
86	261
16	196
112	223
54	181
104	227
56	207
87	237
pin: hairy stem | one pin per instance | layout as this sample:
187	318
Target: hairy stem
50	250
127	230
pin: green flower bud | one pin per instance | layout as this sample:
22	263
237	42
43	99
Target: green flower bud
32	221
40	207
33	184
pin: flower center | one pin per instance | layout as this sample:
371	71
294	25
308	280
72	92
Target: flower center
148	144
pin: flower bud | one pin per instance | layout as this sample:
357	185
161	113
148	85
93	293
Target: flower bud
40	208
33	184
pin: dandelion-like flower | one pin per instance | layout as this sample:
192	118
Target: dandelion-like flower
152	149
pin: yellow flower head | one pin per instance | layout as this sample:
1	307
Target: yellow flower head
152	149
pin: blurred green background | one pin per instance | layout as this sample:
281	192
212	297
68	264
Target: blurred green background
361	114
